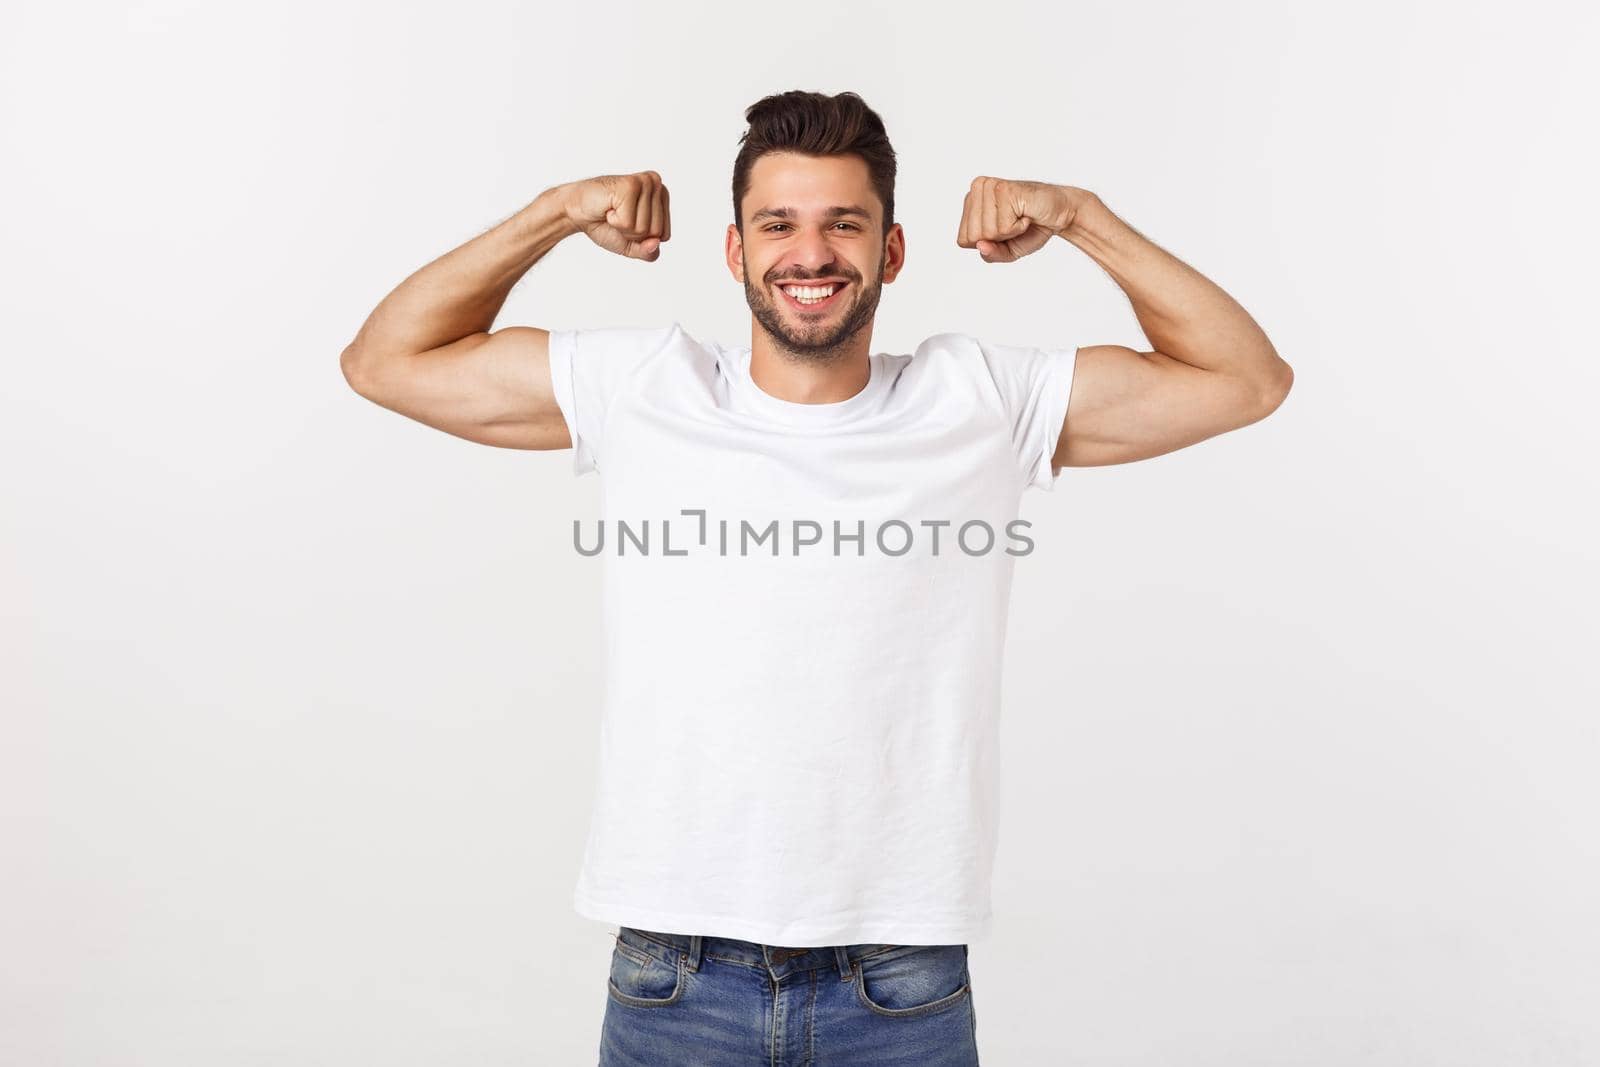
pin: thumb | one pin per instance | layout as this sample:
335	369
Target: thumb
647	249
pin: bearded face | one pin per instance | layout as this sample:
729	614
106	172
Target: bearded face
813	254
784	303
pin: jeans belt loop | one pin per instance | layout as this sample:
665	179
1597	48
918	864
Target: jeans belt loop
841	955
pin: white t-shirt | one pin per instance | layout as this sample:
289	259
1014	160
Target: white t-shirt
799	738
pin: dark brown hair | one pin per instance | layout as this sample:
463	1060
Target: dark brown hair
816	124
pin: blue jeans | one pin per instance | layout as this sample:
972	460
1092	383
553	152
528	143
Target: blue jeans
718	1002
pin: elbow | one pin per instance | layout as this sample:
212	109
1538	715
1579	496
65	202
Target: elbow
353	367
1275	388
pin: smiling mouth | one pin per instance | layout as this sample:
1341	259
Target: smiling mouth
813	305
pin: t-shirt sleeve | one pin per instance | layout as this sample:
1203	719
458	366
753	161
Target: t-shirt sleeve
1034	385
589	369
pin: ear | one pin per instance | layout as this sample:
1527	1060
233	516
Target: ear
733	251
894	253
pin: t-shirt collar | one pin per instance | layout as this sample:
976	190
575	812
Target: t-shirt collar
737	365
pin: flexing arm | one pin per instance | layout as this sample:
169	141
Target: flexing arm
425	351
1212	368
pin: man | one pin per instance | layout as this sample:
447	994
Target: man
807	572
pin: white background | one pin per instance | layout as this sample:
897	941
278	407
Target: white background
300	696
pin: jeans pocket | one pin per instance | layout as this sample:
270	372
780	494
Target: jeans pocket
642	979
914	980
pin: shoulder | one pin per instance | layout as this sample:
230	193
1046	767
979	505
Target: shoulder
609	359
628	344
987	353
954	354
946	353
1017	378
948	344
1008	365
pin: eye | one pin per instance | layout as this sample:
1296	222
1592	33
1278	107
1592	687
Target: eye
775	226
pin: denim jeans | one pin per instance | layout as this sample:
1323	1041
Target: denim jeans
678	1000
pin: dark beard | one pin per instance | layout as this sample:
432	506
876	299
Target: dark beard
819	343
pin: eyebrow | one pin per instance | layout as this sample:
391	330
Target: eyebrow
789	213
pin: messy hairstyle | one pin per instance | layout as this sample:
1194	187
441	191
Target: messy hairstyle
816	124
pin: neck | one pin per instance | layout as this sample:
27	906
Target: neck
810	379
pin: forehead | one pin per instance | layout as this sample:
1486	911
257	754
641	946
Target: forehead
808	184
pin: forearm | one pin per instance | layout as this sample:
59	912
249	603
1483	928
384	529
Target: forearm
462	292
1183	314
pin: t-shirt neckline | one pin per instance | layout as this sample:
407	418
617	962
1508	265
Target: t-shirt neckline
794	412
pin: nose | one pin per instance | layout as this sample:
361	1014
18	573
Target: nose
811	250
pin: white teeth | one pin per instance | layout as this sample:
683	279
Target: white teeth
810	293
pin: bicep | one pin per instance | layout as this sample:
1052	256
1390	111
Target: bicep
491	388
1129	405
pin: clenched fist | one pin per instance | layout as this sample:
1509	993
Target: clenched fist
1006	220
622	213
